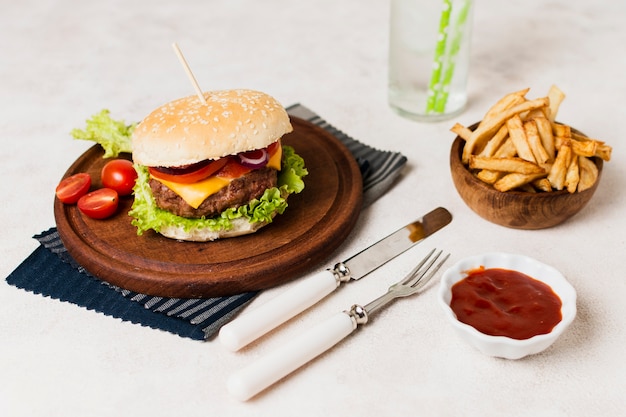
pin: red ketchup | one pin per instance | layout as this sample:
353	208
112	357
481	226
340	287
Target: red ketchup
500	302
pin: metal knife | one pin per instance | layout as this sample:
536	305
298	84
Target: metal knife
250	326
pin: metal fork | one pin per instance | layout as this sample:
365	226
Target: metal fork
280	362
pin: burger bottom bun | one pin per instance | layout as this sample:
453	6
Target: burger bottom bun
240	227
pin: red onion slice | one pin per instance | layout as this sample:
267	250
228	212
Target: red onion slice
257	158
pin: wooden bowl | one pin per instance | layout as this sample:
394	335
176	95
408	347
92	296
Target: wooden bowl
516	209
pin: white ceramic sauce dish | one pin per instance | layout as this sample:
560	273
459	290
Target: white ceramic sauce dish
502	346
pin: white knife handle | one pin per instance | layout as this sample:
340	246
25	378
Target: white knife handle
280	362
250	326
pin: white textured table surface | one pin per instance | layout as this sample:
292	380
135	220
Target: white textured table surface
62	61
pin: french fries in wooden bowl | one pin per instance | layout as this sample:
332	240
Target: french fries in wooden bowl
520	168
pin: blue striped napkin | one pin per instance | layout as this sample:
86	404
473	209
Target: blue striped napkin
51	271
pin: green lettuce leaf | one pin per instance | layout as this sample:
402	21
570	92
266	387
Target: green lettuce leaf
146	215
113	135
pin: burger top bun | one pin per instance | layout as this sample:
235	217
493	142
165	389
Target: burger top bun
186	131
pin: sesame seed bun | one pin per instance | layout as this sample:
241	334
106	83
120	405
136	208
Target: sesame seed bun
186	131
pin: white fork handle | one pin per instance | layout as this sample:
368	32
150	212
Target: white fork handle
280	362
250	326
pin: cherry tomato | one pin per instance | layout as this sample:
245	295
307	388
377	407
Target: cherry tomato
72	188
119	175
190	177
99	204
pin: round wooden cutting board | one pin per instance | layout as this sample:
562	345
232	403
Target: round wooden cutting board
316	222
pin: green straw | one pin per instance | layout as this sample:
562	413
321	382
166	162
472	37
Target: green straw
440	50
442	93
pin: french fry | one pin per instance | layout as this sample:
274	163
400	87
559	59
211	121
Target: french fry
534	141
584	148
546	167
557	173
513	164
462	131
537	113
489	177
514	180
542	184
556	97
547	138
604	152
506	102
588	173
506	150
490	127
560	141
561	130
582	138
518	136
572	175
495	142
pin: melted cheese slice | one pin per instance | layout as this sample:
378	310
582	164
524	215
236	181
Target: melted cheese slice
194	194
276	159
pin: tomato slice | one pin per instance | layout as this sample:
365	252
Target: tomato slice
120	175
72	188
233	169
99	204
273	148
191	177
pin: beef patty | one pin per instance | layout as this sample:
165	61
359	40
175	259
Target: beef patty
238	193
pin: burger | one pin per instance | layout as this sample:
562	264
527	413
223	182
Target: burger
213	169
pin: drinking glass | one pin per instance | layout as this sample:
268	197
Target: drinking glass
429	51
